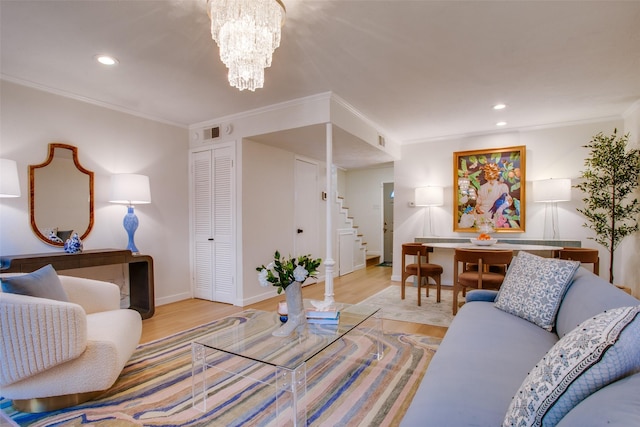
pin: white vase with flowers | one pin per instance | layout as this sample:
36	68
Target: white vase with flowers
288	274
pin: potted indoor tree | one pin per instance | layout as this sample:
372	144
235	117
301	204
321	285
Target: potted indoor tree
609	183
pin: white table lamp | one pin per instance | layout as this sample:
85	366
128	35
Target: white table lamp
550	192
9	182
428	197
130	189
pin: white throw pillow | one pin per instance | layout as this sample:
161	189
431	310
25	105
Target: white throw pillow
600	351
534	287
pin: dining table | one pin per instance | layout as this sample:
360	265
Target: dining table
444	251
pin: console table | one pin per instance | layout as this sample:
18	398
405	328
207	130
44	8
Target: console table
141	287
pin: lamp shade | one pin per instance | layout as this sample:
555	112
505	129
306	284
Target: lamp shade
9	183
130	188
429	196
552	190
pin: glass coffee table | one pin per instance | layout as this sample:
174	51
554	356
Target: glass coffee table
285	358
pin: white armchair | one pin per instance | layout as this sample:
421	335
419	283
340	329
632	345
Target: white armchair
56	354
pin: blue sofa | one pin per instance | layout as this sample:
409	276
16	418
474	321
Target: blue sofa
487	353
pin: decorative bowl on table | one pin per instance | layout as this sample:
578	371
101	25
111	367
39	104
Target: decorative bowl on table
484	239
484	242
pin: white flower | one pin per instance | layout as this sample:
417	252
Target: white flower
270	266
262	277
467	221
300	274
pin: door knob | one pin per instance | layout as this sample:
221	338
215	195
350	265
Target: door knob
300	230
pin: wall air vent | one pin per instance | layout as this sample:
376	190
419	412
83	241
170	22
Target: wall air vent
211	133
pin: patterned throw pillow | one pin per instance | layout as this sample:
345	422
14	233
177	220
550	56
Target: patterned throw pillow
600	351
534	287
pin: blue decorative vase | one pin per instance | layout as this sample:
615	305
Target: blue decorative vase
130	223
53	236
73	245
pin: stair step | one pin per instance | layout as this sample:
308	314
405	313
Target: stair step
373	260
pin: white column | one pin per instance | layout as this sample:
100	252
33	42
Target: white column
329	263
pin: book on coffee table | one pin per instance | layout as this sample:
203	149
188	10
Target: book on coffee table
321	314
334	320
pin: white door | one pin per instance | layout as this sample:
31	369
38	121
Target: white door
202	224
307	205
213	222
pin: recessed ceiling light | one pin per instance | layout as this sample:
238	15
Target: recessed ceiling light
106	59
500	106
501	124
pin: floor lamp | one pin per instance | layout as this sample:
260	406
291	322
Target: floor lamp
550	192
130	189
428	197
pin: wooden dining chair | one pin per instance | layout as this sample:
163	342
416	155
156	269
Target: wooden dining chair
478	269
420	268
584	255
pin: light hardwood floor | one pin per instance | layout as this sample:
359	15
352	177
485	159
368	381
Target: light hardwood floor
351	288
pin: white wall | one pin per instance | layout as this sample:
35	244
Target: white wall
268	221
550	153
267	200
108	142
363	196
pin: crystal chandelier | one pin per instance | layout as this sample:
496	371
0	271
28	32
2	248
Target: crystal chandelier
247	32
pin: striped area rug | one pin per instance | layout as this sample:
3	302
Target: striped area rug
345	387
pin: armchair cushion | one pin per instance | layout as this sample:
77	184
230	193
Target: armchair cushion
42	283
93	295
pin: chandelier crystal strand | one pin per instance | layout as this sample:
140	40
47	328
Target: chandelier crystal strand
247	32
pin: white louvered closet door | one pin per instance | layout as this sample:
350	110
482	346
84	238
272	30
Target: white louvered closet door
213	224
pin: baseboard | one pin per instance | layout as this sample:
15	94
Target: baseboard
257	298
173	298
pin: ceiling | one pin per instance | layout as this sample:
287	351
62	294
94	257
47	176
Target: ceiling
420	70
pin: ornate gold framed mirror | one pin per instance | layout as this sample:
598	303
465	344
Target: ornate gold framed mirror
60	196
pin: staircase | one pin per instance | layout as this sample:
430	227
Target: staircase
348	230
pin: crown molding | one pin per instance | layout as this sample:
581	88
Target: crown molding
80	98
512	130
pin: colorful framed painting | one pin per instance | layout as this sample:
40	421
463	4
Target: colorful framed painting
489	190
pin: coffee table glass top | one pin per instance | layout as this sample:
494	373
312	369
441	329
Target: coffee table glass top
252	338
